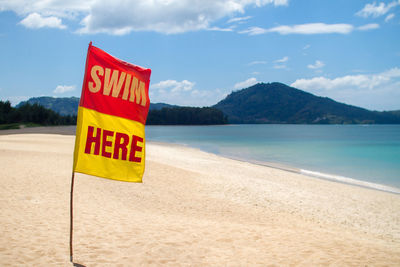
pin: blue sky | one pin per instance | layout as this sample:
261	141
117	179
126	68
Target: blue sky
200	51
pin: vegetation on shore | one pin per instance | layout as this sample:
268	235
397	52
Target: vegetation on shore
186	116
31	115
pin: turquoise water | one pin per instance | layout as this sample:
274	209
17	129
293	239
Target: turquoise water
368	153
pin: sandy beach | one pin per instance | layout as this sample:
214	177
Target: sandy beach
192	209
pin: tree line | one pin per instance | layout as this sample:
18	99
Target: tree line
32	113
37	114
186	116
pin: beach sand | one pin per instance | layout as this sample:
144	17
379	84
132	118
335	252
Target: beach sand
192	209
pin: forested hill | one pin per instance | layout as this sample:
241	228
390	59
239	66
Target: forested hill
279	103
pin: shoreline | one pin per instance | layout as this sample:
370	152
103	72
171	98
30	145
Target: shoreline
70	130
62	130
314	174
320	175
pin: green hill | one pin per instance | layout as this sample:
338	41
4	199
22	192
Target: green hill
279	103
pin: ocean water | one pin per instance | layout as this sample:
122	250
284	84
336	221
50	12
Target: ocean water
367	155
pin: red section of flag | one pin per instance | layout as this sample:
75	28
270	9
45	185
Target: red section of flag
115	87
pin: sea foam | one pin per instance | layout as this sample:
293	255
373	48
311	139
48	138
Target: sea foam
351	181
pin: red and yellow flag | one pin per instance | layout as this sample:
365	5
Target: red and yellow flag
112	113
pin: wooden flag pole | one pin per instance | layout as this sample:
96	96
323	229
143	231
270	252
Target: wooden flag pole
71	217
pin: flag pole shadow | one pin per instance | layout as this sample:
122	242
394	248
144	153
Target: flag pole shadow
78	264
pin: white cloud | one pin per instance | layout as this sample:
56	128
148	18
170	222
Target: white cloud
218	29
36	21
260	62
367	27
174	86
61	89
309	28
317	65
239	19
247	83
198	97
376	10
313	28
63	9
278	67
306	47
374	91
282	60
184	93
254	31
123	16
389	17
280	63
361	81
280	2
15	100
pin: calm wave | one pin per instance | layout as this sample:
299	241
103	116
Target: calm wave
370	153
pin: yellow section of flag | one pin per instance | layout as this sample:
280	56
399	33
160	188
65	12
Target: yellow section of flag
109	146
